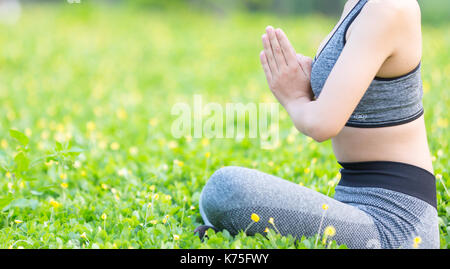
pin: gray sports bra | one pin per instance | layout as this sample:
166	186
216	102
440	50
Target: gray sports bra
387	101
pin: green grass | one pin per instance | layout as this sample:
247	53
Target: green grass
102	82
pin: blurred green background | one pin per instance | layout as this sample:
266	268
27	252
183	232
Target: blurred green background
101	77
433	11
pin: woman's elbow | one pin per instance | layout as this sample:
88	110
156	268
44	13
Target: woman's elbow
317	126
322	132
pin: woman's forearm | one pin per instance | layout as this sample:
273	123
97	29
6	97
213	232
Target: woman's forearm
310	119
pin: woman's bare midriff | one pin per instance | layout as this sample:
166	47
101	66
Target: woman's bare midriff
406	143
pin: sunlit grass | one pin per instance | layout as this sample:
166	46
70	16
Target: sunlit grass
105	81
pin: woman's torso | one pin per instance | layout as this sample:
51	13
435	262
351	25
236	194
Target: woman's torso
405	143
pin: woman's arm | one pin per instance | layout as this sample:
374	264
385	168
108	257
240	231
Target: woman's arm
372	41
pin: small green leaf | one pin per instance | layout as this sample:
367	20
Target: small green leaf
29	178
22	162
36	192
74	152
20	137
24	203
58	146
4	201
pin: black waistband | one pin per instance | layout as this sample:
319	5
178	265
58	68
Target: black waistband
401	177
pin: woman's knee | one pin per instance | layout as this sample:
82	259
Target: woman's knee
224	189
227	178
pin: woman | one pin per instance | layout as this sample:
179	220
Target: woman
363	91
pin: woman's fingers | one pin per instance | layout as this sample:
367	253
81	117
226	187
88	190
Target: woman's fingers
305	63
269	54
266	67
288	50
276	48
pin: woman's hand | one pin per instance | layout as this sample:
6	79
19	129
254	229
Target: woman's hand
305	63
287	73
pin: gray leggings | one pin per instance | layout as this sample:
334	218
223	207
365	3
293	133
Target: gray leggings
363	217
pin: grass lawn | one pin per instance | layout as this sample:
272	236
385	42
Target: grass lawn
95	164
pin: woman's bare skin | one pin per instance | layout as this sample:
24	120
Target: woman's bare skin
383	41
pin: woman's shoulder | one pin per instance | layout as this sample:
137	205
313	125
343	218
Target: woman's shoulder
393	19
400	11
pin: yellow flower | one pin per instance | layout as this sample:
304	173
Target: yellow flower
21	184
90	126
179	163
153	122
60	127
306	170
104	216
18	221
290	138
330	231
168	197
266	230
104	186
115	146
121	113
426	86
8	174
102	144
156	196
54	203
152	187
176	237
314	160
134	151
83	173
205	142
83	235
172	144
64	185
442	122
417	240
153	222
255	217
271	221
208	154
4	144
324	206
63	176
28	132
192	207
270	163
